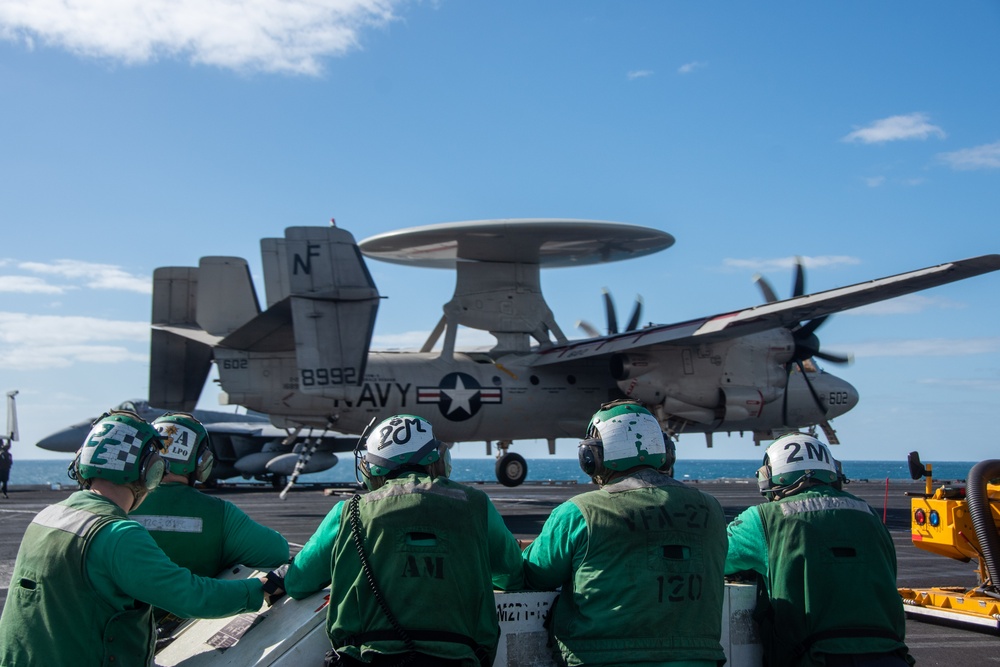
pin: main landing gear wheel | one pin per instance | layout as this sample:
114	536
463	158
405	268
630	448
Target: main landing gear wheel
512	469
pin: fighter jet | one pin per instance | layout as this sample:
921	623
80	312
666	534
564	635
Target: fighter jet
246	445
305	359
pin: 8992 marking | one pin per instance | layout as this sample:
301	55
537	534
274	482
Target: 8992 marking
325	377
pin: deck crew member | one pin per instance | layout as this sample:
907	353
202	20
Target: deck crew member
641	547
827	563
203	533
413	563
86	576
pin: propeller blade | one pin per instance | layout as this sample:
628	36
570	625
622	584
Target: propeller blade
799	287
784	397
609	309
806	329
812	390
633	322
835	358
770	296
588	329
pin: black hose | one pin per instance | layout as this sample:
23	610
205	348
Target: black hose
982	516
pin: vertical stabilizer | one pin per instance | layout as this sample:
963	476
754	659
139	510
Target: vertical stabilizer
225	298
178	364
12	433
334	302
274	261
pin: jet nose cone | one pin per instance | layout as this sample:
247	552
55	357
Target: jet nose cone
67	440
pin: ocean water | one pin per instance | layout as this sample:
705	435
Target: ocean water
50	472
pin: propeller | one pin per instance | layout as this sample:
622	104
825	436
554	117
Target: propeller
612	317
804	337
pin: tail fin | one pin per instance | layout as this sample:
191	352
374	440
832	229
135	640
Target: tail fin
180	351
226	299
12	433
333	301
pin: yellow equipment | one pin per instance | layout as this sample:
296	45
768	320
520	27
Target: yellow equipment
960	523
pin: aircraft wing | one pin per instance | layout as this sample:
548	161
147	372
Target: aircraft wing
785	313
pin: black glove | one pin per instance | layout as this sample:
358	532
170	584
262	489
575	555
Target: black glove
273	586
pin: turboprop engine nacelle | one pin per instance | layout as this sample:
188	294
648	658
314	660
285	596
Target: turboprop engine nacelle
628	366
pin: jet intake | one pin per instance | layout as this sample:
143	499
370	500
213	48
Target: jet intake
628	366
742	403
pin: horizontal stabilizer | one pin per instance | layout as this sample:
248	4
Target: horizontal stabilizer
178	365
225	295
271	331
334	302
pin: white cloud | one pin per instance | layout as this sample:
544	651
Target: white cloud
905	305
286	36
22	329
930	347
687	68
896	128
974	384
30	285
95	276
782	263
986	156
875	181
639	73
47	341
413	340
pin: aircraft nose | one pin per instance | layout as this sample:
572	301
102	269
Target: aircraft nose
67	440
843	397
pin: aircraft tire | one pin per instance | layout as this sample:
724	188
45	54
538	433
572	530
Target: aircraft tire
512	469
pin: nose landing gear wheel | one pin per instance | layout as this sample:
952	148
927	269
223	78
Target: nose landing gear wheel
512	469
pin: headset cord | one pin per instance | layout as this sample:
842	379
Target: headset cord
370	576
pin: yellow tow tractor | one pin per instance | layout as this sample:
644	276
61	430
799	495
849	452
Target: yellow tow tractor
960	523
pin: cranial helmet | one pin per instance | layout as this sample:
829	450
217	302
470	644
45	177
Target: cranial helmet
793	461
123	449
621	435
402	441
187	447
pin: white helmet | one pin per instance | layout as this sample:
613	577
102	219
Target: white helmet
794	459
402	440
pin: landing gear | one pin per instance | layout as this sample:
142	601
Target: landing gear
512	469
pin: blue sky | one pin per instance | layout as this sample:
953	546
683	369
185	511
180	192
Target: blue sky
862	136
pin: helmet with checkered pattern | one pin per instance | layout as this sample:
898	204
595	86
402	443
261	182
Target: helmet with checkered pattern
123	449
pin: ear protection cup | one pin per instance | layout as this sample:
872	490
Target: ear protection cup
203	468
151	469
590	456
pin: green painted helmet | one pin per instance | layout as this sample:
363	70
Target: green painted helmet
123	449
623	435
402	440
187	446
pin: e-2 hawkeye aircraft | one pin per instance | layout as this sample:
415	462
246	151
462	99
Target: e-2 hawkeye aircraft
305	360
243	444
